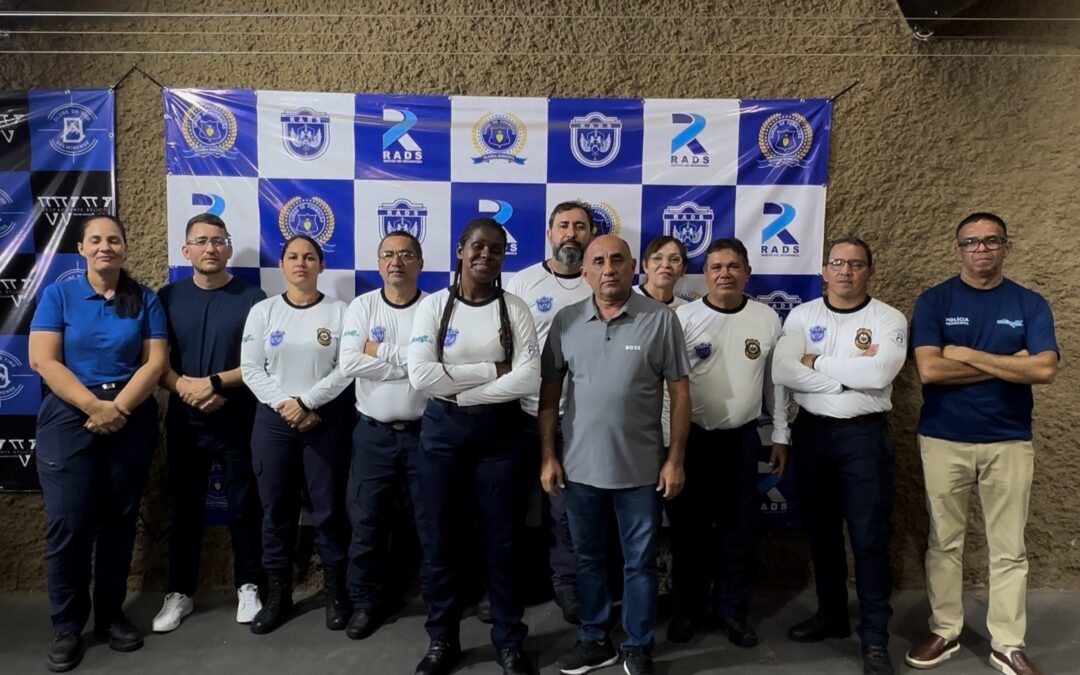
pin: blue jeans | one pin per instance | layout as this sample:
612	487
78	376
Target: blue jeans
637	511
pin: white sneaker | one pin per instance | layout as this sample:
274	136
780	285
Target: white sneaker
176	607
247	603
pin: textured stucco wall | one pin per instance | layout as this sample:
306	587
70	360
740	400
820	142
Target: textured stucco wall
931	132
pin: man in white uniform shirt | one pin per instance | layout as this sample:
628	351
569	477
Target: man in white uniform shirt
547	287
374	350
729	339
840	354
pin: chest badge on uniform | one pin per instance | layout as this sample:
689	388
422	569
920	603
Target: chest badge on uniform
451	337
703	349
378	333
753	349
817	333
544	304
276	337
863	338
323	336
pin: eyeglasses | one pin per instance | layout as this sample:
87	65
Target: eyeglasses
971	244
216	242
837	264
403	256
660	258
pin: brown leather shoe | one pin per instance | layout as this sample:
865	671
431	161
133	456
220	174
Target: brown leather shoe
933	651
1013	662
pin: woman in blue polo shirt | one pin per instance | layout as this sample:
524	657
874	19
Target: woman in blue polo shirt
99	343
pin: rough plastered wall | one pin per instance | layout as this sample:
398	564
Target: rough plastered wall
985	120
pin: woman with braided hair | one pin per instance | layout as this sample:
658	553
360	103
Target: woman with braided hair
474	350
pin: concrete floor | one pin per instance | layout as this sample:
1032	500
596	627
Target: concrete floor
210	641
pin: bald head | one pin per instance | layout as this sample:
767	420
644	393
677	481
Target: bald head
609	269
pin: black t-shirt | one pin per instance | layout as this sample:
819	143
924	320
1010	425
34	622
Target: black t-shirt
205	329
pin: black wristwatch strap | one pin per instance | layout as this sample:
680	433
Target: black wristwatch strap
215	382
300	402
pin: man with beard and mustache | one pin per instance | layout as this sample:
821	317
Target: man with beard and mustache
210	415
547	287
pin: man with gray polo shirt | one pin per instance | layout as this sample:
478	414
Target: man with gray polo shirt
615	351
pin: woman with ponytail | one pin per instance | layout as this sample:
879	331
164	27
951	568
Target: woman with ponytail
474	350
99	341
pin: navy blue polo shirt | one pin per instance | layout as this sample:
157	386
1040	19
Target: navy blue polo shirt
205	330
1001	320
99	346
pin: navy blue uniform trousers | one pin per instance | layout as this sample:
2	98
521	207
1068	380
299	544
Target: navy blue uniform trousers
844	472
286	460
474	469
712	521
553	513
92	486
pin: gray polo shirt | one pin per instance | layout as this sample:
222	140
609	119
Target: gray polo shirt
615	375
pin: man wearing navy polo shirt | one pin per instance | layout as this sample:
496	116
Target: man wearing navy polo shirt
980	342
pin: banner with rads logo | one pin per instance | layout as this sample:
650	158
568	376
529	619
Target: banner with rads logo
347	169
57	166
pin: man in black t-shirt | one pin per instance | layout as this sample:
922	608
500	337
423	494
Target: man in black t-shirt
210	416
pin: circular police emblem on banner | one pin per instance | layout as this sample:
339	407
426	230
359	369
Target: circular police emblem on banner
544	304
785	139
210	131
10	218
276	337
378	333
308	216
9	365
499	136
817	333
863	338
305	133
595	139
606	218
703	350
74	120
451	337
752	349
323	336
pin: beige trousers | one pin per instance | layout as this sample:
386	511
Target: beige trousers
1002	472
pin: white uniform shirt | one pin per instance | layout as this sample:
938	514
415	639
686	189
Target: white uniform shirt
665	412
843	383
290	351
730	365
546	292
471	350
383	390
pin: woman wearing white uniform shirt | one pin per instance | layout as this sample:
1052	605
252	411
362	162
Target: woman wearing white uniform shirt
289	360
474	349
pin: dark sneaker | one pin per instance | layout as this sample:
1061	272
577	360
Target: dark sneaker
875	661
440	659
515	662
65	652
586	656
637	661
933	651
567	600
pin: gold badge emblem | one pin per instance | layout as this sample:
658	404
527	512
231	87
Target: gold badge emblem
863	338
753	349
323	336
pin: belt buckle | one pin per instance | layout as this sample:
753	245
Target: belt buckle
108	386
398	426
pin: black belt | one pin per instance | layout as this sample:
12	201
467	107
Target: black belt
823	421
482	409
394	426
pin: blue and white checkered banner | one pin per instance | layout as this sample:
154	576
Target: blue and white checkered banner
348	168
57	166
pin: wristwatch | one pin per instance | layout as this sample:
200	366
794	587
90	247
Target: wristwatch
300	402
215	382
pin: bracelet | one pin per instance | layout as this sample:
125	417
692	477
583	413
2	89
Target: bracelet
215	382
300	402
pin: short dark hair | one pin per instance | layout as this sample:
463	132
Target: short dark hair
854	241
563	207
729	244
302	237
207	218
659	243
983	215
413	241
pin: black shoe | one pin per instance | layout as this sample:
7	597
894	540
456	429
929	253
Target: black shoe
65	652
515	662
681	629
483	609
278	605
739	633
875	661
586	656
637	661
440	659
122	636
816	629
338	607
362	624
567	600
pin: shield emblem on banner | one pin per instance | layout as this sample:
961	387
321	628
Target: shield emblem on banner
595	139
403	215
691	224
305	133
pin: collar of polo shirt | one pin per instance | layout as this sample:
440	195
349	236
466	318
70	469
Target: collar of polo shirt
629	308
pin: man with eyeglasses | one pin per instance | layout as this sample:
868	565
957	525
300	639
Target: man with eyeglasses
839	354
210	416
374	350
980	341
